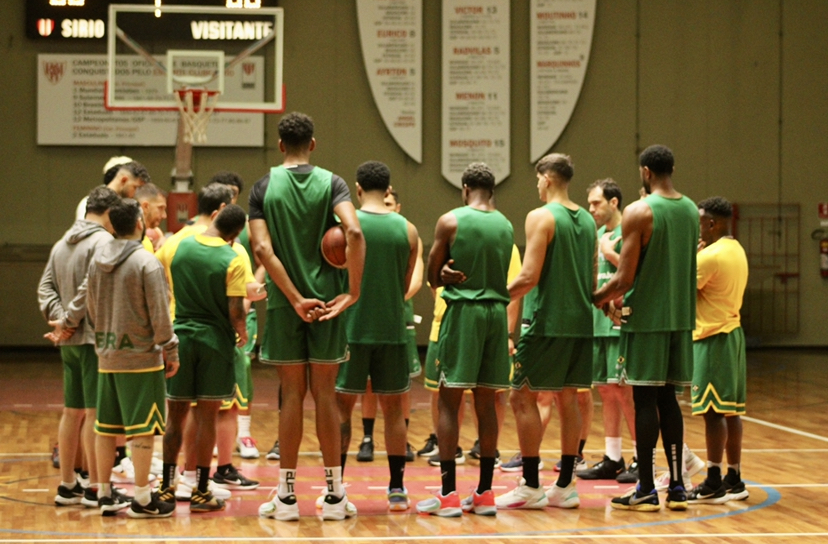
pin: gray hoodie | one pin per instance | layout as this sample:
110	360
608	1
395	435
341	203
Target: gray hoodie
66	271
128	305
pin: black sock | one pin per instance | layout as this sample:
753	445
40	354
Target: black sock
168	478
530	471
224	469
406	423
396	468
203	478
120	453
733	477
581	448
447	473
342	458
714	476
368	426
646	433
486	474
567	467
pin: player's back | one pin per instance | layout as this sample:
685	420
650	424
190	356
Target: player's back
482	249
722	276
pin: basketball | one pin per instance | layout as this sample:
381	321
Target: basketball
334	245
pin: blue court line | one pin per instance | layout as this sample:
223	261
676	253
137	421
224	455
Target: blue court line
773	497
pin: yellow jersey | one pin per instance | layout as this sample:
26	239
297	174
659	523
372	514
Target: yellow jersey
721	278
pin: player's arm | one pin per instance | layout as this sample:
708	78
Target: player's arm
306	308
513	308
236	280
355	254
440	255
238	318
414	270
607	246
158	304
636	225
48	298
540	231
705	269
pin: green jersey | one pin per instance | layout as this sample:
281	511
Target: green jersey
663	297
603	325
564	300
482	250
378	317
244	240
298	212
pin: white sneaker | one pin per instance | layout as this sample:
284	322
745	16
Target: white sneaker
124	472
338	508
280	510
563	497
184	489
693	463
662	481
522	496
247	447
156	467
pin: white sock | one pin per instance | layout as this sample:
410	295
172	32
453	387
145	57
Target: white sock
244	426
142	495
104	490
613	447
333	477
287	478
69	485
686	453
189	476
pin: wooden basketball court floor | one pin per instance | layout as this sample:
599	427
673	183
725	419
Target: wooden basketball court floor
784	462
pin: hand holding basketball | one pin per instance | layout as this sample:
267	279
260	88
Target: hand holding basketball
334	245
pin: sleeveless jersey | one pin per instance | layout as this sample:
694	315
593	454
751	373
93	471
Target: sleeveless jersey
663	297
602	325
378	317
564	299
482	249
297	210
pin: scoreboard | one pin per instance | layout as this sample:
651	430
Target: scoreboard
86	19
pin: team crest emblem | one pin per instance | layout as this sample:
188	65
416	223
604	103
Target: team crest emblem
54	71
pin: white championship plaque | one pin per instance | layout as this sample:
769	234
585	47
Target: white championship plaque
70	105
476	78
391	34
561	38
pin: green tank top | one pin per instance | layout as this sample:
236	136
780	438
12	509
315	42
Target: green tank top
244	240
602	325
297	209
528	312
482	249
564	303
378	317
663	297
409	312
199	275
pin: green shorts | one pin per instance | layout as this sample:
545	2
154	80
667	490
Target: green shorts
131	403
544	363
386	365
719	374
80	376
287	340
205	372
605	360
243	394
414	367
432	375
473	348
252	331
656	358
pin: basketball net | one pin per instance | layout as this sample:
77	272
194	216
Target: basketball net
196	106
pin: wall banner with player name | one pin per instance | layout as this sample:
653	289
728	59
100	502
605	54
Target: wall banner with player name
391	34
560	41
70	105
476	87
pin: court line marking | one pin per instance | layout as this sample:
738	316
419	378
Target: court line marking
35	491
785	428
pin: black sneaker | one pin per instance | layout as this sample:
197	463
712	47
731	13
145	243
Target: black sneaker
459	458
580	464
606	469
274	454
677	498
112	504
154	509
166	495
409	453
706	494
474	453
55	456
430	449
68	497
90	497
366	450
636	501
233	479
629	476
736	491
205	502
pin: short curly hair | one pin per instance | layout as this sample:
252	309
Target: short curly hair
717	206
478	175
101	199
230	220
373	176
659	159
228	178
296	131
124	216
557	163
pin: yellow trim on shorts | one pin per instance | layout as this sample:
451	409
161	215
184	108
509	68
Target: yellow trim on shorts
704	396
140	371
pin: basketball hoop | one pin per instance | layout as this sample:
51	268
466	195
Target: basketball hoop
196	106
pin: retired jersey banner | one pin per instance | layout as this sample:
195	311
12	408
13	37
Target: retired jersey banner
476	87
391	34
561	38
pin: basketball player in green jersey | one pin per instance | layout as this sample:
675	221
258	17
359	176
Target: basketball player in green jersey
604	197
473	347
377	336
657	264
555	353
291	208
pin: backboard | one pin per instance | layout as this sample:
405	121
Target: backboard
154	52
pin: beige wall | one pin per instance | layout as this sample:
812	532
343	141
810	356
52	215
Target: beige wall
708	78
